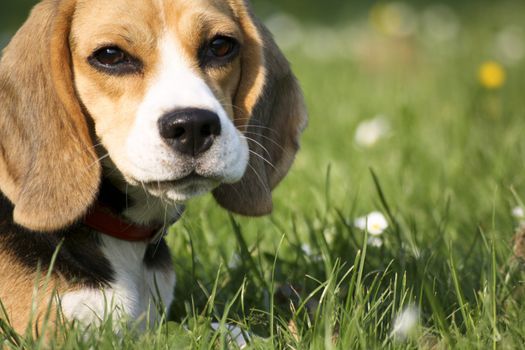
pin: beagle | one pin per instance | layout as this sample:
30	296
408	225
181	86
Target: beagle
112	115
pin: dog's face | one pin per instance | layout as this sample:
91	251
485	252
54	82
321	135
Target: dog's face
184	95
160	84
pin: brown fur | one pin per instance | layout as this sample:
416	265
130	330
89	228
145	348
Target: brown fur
49	95
27	295
52	174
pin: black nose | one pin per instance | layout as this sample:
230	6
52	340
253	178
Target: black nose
190	131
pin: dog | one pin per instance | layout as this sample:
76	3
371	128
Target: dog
112	115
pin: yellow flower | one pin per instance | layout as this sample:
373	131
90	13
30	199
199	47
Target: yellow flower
492	75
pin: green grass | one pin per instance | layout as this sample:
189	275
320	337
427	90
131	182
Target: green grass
447	177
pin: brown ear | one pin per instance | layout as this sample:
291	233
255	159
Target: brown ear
48	166
271	103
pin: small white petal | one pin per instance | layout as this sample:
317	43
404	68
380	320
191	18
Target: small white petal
369	132
306	249
406	322
518	212
375	242
360	223
235	261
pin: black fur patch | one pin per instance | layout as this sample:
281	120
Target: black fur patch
158	256
79	258
112	197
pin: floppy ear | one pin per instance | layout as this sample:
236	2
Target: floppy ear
48	165
270	110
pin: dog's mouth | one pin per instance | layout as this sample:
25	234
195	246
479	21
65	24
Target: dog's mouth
184	188
188	180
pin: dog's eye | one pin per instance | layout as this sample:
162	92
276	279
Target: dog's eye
110	56
219	51
222	46
113	60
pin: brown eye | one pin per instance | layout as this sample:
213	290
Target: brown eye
110	56
222	46
115	61
219	51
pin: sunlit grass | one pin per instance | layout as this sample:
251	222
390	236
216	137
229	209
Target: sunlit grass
446	176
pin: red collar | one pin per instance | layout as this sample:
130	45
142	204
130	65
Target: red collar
102	220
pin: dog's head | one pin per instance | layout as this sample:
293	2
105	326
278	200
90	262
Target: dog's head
185	96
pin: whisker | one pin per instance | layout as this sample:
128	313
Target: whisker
225	104
261	127
266	138
98	160
259	144
91	147
233	106
263	184
241	119
264	159
143	185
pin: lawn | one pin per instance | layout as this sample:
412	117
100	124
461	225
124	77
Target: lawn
416	113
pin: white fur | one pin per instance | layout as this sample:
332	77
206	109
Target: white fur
134	294
150	159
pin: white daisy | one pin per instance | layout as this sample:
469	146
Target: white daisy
375	223
369	132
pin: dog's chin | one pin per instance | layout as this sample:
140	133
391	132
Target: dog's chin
180	191
178	195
